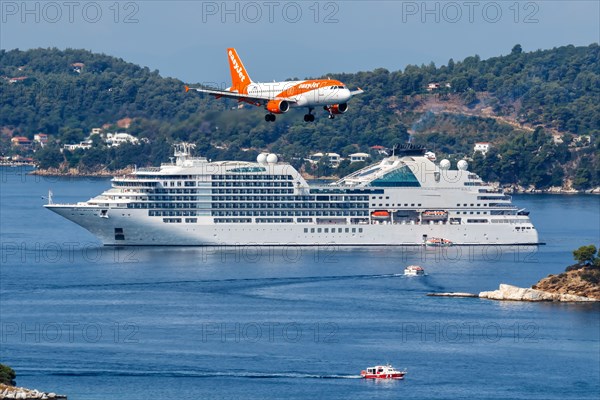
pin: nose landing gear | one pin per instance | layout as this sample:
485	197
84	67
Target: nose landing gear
330	111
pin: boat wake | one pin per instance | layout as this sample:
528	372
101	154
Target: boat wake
187	374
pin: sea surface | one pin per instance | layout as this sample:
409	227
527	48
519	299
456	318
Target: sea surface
96	322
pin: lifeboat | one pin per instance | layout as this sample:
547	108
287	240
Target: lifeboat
380	214
434	214
438	242
382	372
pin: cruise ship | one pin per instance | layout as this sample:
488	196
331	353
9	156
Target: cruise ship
405	199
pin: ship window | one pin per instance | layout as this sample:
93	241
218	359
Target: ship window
401	177
305	230
347	230
360	230
312	230
353	230
318	230
339	230
326	230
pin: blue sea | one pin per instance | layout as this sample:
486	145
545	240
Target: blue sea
94	322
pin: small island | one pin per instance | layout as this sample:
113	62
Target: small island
579	283
8	390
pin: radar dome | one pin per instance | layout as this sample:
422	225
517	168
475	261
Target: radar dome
262	158
272	158
445	164
462	165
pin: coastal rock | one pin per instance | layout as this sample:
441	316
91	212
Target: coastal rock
13	392
514	293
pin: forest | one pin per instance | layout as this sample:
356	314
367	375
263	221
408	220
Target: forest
530	99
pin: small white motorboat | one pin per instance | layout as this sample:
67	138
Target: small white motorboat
414	270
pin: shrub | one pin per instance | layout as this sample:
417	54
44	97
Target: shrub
7	375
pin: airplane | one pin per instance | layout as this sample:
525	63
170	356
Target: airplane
279	97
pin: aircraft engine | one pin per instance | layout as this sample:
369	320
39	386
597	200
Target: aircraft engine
278	106
337	108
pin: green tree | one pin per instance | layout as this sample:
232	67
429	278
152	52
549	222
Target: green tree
7	375
517	49
49	157
585	255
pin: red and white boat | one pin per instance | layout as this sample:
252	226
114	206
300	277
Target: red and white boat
414	270
382	372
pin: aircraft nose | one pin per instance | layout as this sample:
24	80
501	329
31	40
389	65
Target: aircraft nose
346	94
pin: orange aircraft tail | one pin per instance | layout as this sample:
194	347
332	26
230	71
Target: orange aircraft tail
239	77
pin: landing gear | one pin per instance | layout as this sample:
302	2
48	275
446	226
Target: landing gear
309	117
270	117
330	111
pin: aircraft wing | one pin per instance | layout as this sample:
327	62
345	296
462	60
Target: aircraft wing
256	99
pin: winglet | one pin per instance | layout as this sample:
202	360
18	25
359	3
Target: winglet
187	88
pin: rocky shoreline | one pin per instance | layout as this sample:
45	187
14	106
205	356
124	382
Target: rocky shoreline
14	392
514	293
74	172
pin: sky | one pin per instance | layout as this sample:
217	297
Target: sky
278	39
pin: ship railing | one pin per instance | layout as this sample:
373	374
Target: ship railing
149	169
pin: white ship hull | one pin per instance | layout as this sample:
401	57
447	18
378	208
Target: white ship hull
139	230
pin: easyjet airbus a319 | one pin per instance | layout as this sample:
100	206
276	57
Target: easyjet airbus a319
279	97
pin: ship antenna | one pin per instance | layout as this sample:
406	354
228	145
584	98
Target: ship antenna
50	197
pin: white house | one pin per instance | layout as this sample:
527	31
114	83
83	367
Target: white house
358	157
334	158
81	145
482	147
41	138
433	86
117	139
